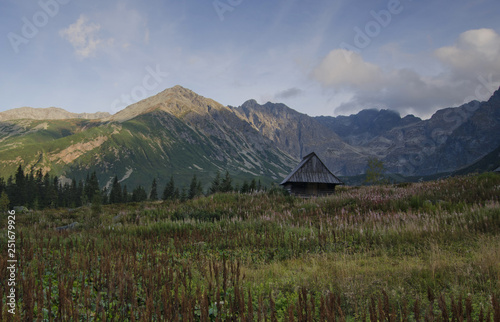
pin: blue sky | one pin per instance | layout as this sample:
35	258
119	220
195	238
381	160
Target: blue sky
318	57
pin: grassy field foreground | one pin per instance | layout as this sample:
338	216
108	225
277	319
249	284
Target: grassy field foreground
423	251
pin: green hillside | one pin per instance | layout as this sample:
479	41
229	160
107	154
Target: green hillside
153	145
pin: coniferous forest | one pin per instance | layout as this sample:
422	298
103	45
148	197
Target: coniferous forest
36	190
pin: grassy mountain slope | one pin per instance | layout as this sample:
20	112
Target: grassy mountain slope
175	133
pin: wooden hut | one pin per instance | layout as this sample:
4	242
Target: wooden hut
497	170
311	178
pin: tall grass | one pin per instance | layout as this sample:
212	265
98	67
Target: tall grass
425	251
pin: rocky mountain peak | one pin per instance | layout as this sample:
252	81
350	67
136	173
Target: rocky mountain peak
177	100
49	113
496	96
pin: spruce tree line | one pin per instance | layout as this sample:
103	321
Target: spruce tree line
40	191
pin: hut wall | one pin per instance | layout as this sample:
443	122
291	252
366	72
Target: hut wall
310	189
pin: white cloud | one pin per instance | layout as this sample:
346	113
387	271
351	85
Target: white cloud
476	51
83	36
470	70
345	68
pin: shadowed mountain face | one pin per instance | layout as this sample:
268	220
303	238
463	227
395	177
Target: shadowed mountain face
363	127
407	145
180	133
451	139
299	134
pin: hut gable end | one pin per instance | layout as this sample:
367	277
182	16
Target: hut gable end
311	177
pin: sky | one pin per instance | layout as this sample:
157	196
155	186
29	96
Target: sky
319	57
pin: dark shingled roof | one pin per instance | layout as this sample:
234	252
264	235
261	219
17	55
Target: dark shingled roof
497	169
311	169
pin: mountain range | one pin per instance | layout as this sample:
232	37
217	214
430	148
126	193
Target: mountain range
180	133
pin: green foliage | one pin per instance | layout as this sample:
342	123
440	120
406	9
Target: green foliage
195	188
198	214
116	195
126	196
227	183
4	202
139	194
421	251
96	210
375	172
153	195
216	184
170	192
278	190
245	188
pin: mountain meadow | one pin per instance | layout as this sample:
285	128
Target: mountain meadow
238	160
426	251
170	210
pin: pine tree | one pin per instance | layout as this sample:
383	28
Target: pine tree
44	193
183	196
253	186
73	195
245	188
30	190
3	186
9	187
18	198
59	195
64	195
193	191
177	194
91	186
79	194
199	188
139	194
20	176
87	193
4	202
52	192
96	208
115	196
216	184
153	195
226	185
125	197
169	191
104	196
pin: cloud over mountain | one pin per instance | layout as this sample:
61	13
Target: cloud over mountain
470	67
